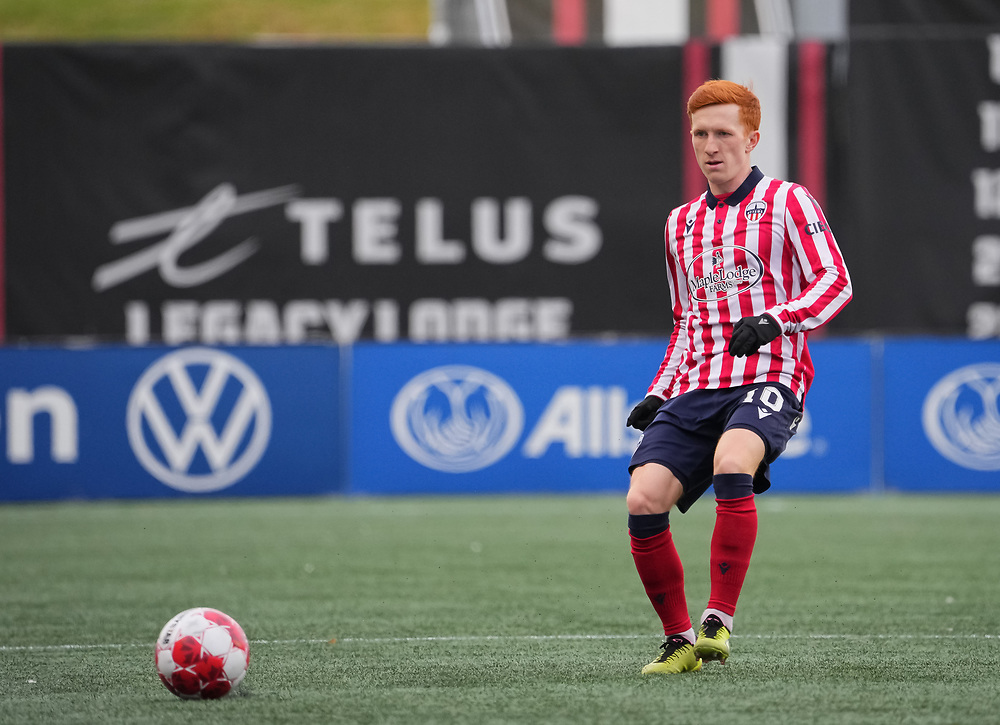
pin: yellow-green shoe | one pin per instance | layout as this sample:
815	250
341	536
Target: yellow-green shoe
713	640
677	656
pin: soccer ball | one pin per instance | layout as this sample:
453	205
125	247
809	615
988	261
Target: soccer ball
202	653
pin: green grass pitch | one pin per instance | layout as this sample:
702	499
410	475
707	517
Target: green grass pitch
499	610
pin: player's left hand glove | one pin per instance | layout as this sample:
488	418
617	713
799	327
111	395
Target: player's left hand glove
752	332
642	414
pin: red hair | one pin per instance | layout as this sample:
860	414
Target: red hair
716	92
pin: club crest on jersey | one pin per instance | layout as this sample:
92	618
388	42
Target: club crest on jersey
755	210
723	272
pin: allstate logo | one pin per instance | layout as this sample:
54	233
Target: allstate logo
961	418
456	418
198	420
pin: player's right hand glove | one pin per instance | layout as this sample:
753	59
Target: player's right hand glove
642	414
750	333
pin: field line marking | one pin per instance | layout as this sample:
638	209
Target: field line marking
550	637
497	638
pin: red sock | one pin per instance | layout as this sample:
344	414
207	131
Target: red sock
732	544
662	575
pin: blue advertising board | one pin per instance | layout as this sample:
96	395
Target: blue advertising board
495	418
376	419
166	422
942	424
832	449
502	418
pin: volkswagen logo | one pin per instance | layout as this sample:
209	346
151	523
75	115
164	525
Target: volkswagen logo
961	417
198	420
456	418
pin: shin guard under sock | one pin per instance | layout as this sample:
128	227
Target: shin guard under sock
732	545
661	572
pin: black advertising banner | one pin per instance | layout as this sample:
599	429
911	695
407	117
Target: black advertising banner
920	223
897	14
229	194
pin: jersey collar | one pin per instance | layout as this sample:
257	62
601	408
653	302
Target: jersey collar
740	194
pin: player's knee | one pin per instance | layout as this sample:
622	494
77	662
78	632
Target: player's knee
639	502
728	463
653	490
735	460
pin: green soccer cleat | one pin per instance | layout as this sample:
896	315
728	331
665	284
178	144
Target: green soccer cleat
713	640
677	656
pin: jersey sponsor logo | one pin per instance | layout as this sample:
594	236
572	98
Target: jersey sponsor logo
815	228
198	420
456	418
722	272
755	210
961	416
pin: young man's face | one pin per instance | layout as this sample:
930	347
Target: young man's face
722	146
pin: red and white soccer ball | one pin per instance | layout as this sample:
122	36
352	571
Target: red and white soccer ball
202	653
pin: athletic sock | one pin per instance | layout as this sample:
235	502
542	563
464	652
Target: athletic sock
727	619
662	576
689	635
732	545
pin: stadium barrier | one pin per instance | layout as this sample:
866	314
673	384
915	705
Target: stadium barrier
165	422
377	419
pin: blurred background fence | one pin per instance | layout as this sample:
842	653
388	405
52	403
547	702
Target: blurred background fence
314	256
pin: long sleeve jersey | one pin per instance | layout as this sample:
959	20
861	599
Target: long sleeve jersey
766	248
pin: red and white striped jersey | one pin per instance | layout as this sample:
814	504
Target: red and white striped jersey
766	248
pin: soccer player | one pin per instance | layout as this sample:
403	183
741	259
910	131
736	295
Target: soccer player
752	267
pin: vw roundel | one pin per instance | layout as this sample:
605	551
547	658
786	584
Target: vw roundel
198	420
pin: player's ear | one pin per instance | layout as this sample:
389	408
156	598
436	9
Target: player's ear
752	141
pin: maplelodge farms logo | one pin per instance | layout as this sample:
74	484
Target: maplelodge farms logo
722	272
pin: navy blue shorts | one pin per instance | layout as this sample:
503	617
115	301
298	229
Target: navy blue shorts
686	430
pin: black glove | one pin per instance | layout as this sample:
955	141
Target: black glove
642	414
752	332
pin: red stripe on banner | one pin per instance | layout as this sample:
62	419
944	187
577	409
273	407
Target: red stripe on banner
722	19
811	148
569	22
697	62
3	219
